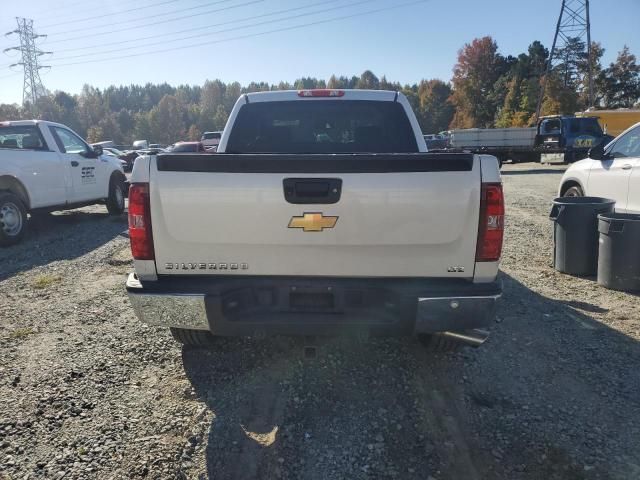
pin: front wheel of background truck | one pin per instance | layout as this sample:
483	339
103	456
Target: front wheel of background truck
115	200
13	219
195	338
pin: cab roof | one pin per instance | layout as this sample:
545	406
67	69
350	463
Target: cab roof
24	123
298	95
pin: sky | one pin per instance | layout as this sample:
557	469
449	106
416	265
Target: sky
121	42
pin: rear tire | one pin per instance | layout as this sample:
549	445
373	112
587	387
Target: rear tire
194	338
115	200
439	343
13	219
574	191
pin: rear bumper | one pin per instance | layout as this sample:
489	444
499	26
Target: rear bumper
254	306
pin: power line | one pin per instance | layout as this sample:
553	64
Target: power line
10	75
174	19
68	6
242	37
226	30
94	17
189	30
58	8
32	87
136	21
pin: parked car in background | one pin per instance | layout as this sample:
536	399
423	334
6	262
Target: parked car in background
104	144
211	139
130	157
126	157
611	172
45	166
435	141
114	152
184	147
151	151
156	145
140	144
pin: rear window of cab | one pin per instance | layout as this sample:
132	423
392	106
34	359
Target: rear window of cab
322	126
21	137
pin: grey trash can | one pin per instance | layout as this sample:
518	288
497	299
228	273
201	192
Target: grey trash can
575	233
619	255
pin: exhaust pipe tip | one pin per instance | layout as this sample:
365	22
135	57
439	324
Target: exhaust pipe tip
473	338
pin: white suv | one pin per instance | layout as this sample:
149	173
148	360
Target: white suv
611	172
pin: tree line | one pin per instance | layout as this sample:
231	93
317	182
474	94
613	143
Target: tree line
491	90
487	90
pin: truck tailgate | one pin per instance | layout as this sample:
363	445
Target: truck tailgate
397	215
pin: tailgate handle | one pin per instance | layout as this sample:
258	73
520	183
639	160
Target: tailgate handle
312	190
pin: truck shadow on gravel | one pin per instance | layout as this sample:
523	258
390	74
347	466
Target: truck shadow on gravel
60	236
555	391
554	394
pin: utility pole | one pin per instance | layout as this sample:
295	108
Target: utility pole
32	88
573	23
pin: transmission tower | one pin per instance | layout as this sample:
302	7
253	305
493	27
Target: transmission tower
573	23
33	88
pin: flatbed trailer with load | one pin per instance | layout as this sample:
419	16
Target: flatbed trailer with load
555	138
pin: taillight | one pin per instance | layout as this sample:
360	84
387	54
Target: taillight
491	227
140	222
321	92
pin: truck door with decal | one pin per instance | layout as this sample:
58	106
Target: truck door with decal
84	170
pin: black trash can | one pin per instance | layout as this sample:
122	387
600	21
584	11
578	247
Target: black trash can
619	255
575	233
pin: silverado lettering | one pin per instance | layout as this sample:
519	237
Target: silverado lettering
206	266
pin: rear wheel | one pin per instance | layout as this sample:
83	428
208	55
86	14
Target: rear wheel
196	338
439	343
13	219
574	191
115	200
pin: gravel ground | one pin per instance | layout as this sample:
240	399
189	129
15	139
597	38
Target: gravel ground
86	391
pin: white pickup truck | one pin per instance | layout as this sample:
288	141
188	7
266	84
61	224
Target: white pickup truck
45	166
321	213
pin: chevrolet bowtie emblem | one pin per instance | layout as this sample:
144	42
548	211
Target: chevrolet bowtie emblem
313	222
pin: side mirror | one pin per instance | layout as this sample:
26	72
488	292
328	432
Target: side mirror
597	152
93	152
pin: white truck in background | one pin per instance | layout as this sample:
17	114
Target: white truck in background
322	213
45	166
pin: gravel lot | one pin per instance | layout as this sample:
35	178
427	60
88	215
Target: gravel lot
86	391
